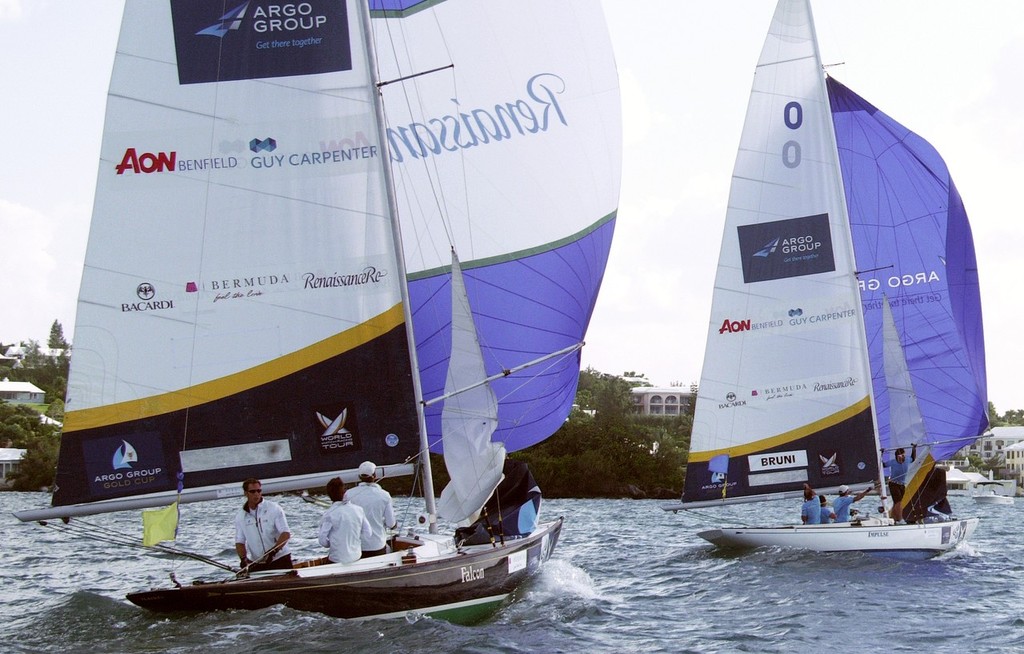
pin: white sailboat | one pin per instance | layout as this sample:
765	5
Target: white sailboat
846	319
270	289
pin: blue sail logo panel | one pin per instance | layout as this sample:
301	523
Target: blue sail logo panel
259	39
124	465
786	248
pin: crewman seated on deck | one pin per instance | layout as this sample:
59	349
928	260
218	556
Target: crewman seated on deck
343	526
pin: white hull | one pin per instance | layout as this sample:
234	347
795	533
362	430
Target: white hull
993	499
920	539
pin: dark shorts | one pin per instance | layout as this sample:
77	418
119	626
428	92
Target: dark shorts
283	563
896	490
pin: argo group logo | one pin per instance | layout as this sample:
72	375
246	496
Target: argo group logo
124	465
259	39
786	248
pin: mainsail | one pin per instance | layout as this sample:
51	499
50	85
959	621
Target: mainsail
241	310
784	397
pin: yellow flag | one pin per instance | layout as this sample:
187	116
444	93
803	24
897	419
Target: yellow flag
159	524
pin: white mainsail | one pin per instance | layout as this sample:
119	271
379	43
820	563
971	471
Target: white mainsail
245	308
784	390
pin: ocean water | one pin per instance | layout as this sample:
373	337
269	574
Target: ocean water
626	576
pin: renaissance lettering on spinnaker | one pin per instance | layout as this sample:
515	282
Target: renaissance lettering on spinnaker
535	113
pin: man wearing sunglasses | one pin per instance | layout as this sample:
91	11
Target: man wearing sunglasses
261	532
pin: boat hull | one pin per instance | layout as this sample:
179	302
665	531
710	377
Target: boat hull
463	587
993	499
917	540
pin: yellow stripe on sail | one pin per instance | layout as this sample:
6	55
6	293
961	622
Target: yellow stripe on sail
225	386
786	437
917	481
159	525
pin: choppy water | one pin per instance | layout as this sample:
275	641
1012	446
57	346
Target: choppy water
627	576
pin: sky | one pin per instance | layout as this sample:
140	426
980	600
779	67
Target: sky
947	69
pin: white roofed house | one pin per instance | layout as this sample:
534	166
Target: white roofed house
10	459
21	392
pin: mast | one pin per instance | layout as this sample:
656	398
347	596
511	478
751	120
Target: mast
837	180
396	230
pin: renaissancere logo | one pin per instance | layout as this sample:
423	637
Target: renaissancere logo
835	384
535	111
369	275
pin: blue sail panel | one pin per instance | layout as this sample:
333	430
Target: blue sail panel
525	307
913	245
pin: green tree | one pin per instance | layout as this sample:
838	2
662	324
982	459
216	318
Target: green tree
614	452
56	339
22	428
56	410
39	465
993	416
1013	417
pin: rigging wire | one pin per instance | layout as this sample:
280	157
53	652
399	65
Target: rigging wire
85	529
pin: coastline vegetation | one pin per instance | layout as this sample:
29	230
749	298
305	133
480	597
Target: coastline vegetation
603	450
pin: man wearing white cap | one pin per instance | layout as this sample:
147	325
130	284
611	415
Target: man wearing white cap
841	505
376	504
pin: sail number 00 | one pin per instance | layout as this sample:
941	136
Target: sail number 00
793	116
